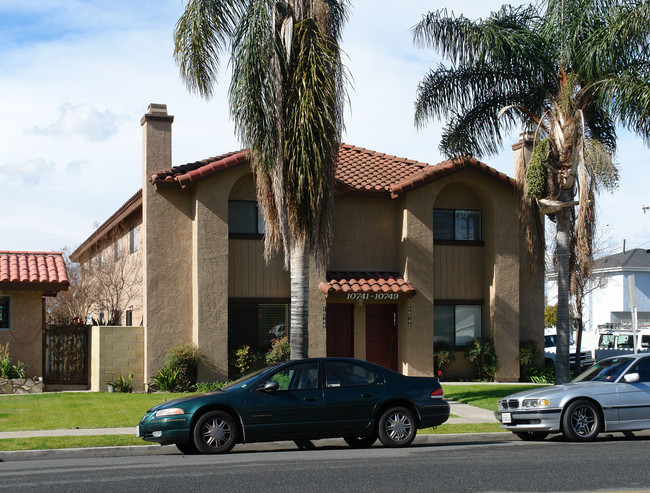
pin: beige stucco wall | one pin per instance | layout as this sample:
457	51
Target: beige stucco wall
116	351
25	336
364	234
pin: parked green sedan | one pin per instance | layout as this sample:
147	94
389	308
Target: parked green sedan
302	400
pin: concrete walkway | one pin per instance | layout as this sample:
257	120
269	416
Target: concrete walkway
466	414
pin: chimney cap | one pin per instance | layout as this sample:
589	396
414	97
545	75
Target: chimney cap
157	113
157	109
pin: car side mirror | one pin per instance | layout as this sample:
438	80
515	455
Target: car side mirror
270	386
631	378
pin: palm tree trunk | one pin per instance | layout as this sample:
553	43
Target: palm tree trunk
299	265
563	323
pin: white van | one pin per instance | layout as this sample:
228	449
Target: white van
550	343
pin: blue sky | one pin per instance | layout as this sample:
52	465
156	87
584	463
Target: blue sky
76	77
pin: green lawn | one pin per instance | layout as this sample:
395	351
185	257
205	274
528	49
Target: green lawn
482	395
76	410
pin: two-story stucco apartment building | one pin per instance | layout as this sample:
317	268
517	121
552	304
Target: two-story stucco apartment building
420	253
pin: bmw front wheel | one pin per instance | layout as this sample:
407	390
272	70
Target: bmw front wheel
581	421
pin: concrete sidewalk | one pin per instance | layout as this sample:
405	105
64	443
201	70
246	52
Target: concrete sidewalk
466	414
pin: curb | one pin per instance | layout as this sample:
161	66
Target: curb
149	450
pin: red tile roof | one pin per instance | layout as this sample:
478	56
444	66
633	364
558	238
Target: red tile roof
36	271
358	170
186	174
365	282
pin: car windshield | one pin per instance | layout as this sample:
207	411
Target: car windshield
245	380
551	340
607	370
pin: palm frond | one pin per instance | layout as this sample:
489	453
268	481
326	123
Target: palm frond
627	97
313	126
201	35
507	34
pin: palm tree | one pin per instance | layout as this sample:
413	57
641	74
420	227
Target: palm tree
567	70
286	99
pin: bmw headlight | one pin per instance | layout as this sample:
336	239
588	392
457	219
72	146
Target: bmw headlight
534	403
169	411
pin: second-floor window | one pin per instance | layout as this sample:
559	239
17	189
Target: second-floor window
456	225
133	239
245	218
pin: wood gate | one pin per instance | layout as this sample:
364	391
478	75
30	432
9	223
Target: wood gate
66	354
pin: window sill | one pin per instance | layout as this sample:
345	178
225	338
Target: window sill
459	243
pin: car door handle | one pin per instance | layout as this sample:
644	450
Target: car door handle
366	396
310	399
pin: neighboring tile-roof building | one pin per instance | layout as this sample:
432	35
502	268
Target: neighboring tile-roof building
36	271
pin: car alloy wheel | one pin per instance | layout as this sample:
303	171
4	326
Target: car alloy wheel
215	433
397	427
361	441
581	421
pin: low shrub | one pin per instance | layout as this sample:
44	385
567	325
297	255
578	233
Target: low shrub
184	358
124	384
544	374
280	351
167	379
243	359
7	368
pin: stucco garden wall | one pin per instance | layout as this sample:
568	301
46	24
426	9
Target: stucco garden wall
116	351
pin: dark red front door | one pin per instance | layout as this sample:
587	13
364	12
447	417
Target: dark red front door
381	335
340	330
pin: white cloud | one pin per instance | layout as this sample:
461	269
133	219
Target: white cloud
83	120
31	172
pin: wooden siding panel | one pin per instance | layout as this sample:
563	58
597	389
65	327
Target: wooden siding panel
458	272
250	276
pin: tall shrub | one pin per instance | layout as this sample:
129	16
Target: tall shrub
482	353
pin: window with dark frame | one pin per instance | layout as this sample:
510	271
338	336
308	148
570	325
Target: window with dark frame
457	325
245	218
256	325
128	318
457	225
5	312
133	239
